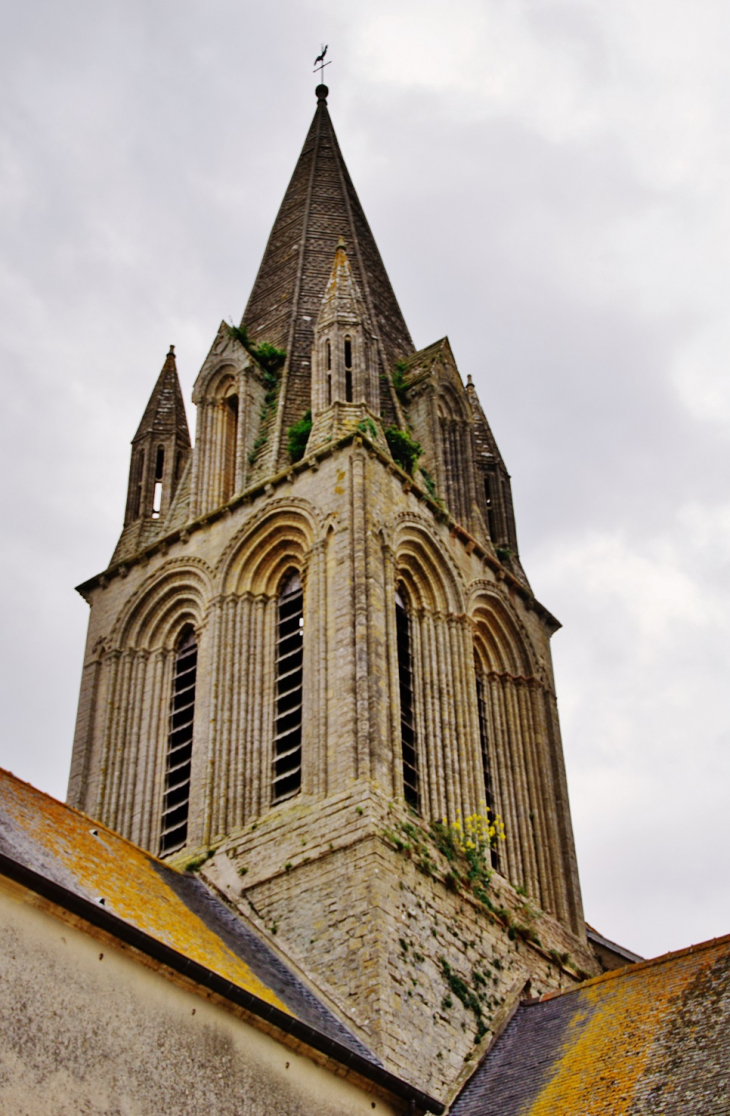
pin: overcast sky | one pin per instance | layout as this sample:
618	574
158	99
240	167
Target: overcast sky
548	183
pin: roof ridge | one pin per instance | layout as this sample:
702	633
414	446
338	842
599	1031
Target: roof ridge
625	970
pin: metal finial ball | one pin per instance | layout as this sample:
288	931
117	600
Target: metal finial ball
321	92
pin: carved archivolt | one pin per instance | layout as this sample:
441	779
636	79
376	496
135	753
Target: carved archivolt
500	638
176	594
280	537
432	580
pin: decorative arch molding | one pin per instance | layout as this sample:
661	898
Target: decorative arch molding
176	594
279	537
503	642
211	385
433	580
451	403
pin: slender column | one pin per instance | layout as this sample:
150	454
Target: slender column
361	618
552	805
158	700
526	805
130	769
389	582
507	780
238	711
210	829
225	701
120	739
102	799
422	752
536	782
432	749
434	727
268	693
443	676
461	708
257	745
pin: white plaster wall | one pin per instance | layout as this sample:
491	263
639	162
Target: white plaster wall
87	1029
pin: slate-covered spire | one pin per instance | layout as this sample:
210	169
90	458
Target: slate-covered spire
160	449
320	206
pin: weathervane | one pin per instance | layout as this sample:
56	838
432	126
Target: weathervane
319	62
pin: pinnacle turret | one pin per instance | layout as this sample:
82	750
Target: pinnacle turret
160	452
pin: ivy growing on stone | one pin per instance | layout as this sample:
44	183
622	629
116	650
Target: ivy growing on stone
298	436
404	449
268	356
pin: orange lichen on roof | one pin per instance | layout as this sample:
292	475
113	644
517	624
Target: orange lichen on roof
620	1020
104	865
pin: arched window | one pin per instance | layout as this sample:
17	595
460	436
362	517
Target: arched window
407	722
230	438
484	746
348	370
176	802
159	474
138	481
288	712
491	511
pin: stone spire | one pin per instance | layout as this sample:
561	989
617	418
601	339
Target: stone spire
165	411
160	452
320	206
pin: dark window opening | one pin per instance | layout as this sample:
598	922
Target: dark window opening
230	438
491	517
289	669
176	801
348	370
486	765
329	356
138	478
159	473
329	390
407	720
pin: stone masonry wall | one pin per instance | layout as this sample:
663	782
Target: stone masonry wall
421	971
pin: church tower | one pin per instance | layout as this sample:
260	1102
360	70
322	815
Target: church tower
315	665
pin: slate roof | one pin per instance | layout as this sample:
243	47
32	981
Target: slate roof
165	410
174	908
320	206
647	1039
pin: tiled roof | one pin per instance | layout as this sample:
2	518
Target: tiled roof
173	908
647	1039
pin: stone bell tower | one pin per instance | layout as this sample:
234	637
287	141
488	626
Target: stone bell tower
306	669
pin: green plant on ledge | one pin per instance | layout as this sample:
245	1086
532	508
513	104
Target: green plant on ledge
404	450
367	426
504	553
298	436
399	381
268	356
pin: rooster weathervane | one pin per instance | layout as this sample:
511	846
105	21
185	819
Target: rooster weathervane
319	62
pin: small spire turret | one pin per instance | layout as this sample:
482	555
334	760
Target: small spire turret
160	448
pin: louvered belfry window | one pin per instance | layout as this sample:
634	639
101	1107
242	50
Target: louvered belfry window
484	742
407	721
288	712
176	803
